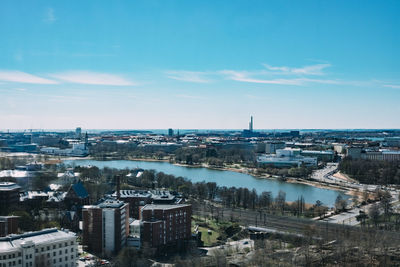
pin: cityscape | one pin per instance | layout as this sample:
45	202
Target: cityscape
199	133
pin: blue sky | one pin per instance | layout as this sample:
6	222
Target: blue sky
199	64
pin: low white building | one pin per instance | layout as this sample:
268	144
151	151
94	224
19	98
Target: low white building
77	150
287	158
48	247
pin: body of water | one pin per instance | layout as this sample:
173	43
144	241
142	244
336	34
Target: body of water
224	178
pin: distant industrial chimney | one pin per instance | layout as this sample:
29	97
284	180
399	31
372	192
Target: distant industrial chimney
86	140
251	124
118	177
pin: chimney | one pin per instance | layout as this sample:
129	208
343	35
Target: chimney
118	177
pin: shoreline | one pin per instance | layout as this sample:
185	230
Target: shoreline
348	191
249	171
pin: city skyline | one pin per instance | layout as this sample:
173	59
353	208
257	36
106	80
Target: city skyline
208	65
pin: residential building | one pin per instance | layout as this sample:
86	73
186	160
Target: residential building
77	196
48	247
354	152
271	147
139	198
8	225
165	225
105	226
9	195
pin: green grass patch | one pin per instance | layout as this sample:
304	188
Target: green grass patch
212	232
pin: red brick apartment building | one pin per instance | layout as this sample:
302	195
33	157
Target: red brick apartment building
9	195
8	225
165	225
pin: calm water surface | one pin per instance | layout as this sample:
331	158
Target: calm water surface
224	178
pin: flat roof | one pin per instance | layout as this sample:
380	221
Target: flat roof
163	206
8	186
46	236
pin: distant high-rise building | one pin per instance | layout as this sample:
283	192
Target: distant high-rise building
251	124
78	132
170	132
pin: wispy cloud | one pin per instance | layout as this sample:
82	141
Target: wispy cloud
23	77
49	15
94	78
188	76
190	96
243	76
306	70
394	86
268	75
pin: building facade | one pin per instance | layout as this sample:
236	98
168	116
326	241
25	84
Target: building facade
165	225
48	247
9	195
105	226
8	225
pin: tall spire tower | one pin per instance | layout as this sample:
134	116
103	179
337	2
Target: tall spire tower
251	124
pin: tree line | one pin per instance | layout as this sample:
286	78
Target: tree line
372	171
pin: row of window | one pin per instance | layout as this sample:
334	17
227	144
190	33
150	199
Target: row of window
13	263
55	246
10	256
59	252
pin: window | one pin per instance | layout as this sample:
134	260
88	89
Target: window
54	246
54	253
42	249
60	260
66	244
66	251
72	249
66	258
60	252
72	243
48	247
59	245
54	261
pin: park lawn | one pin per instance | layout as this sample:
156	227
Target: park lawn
209	240
215	227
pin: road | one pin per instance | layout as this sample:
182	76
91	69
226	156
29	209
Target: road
325	175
